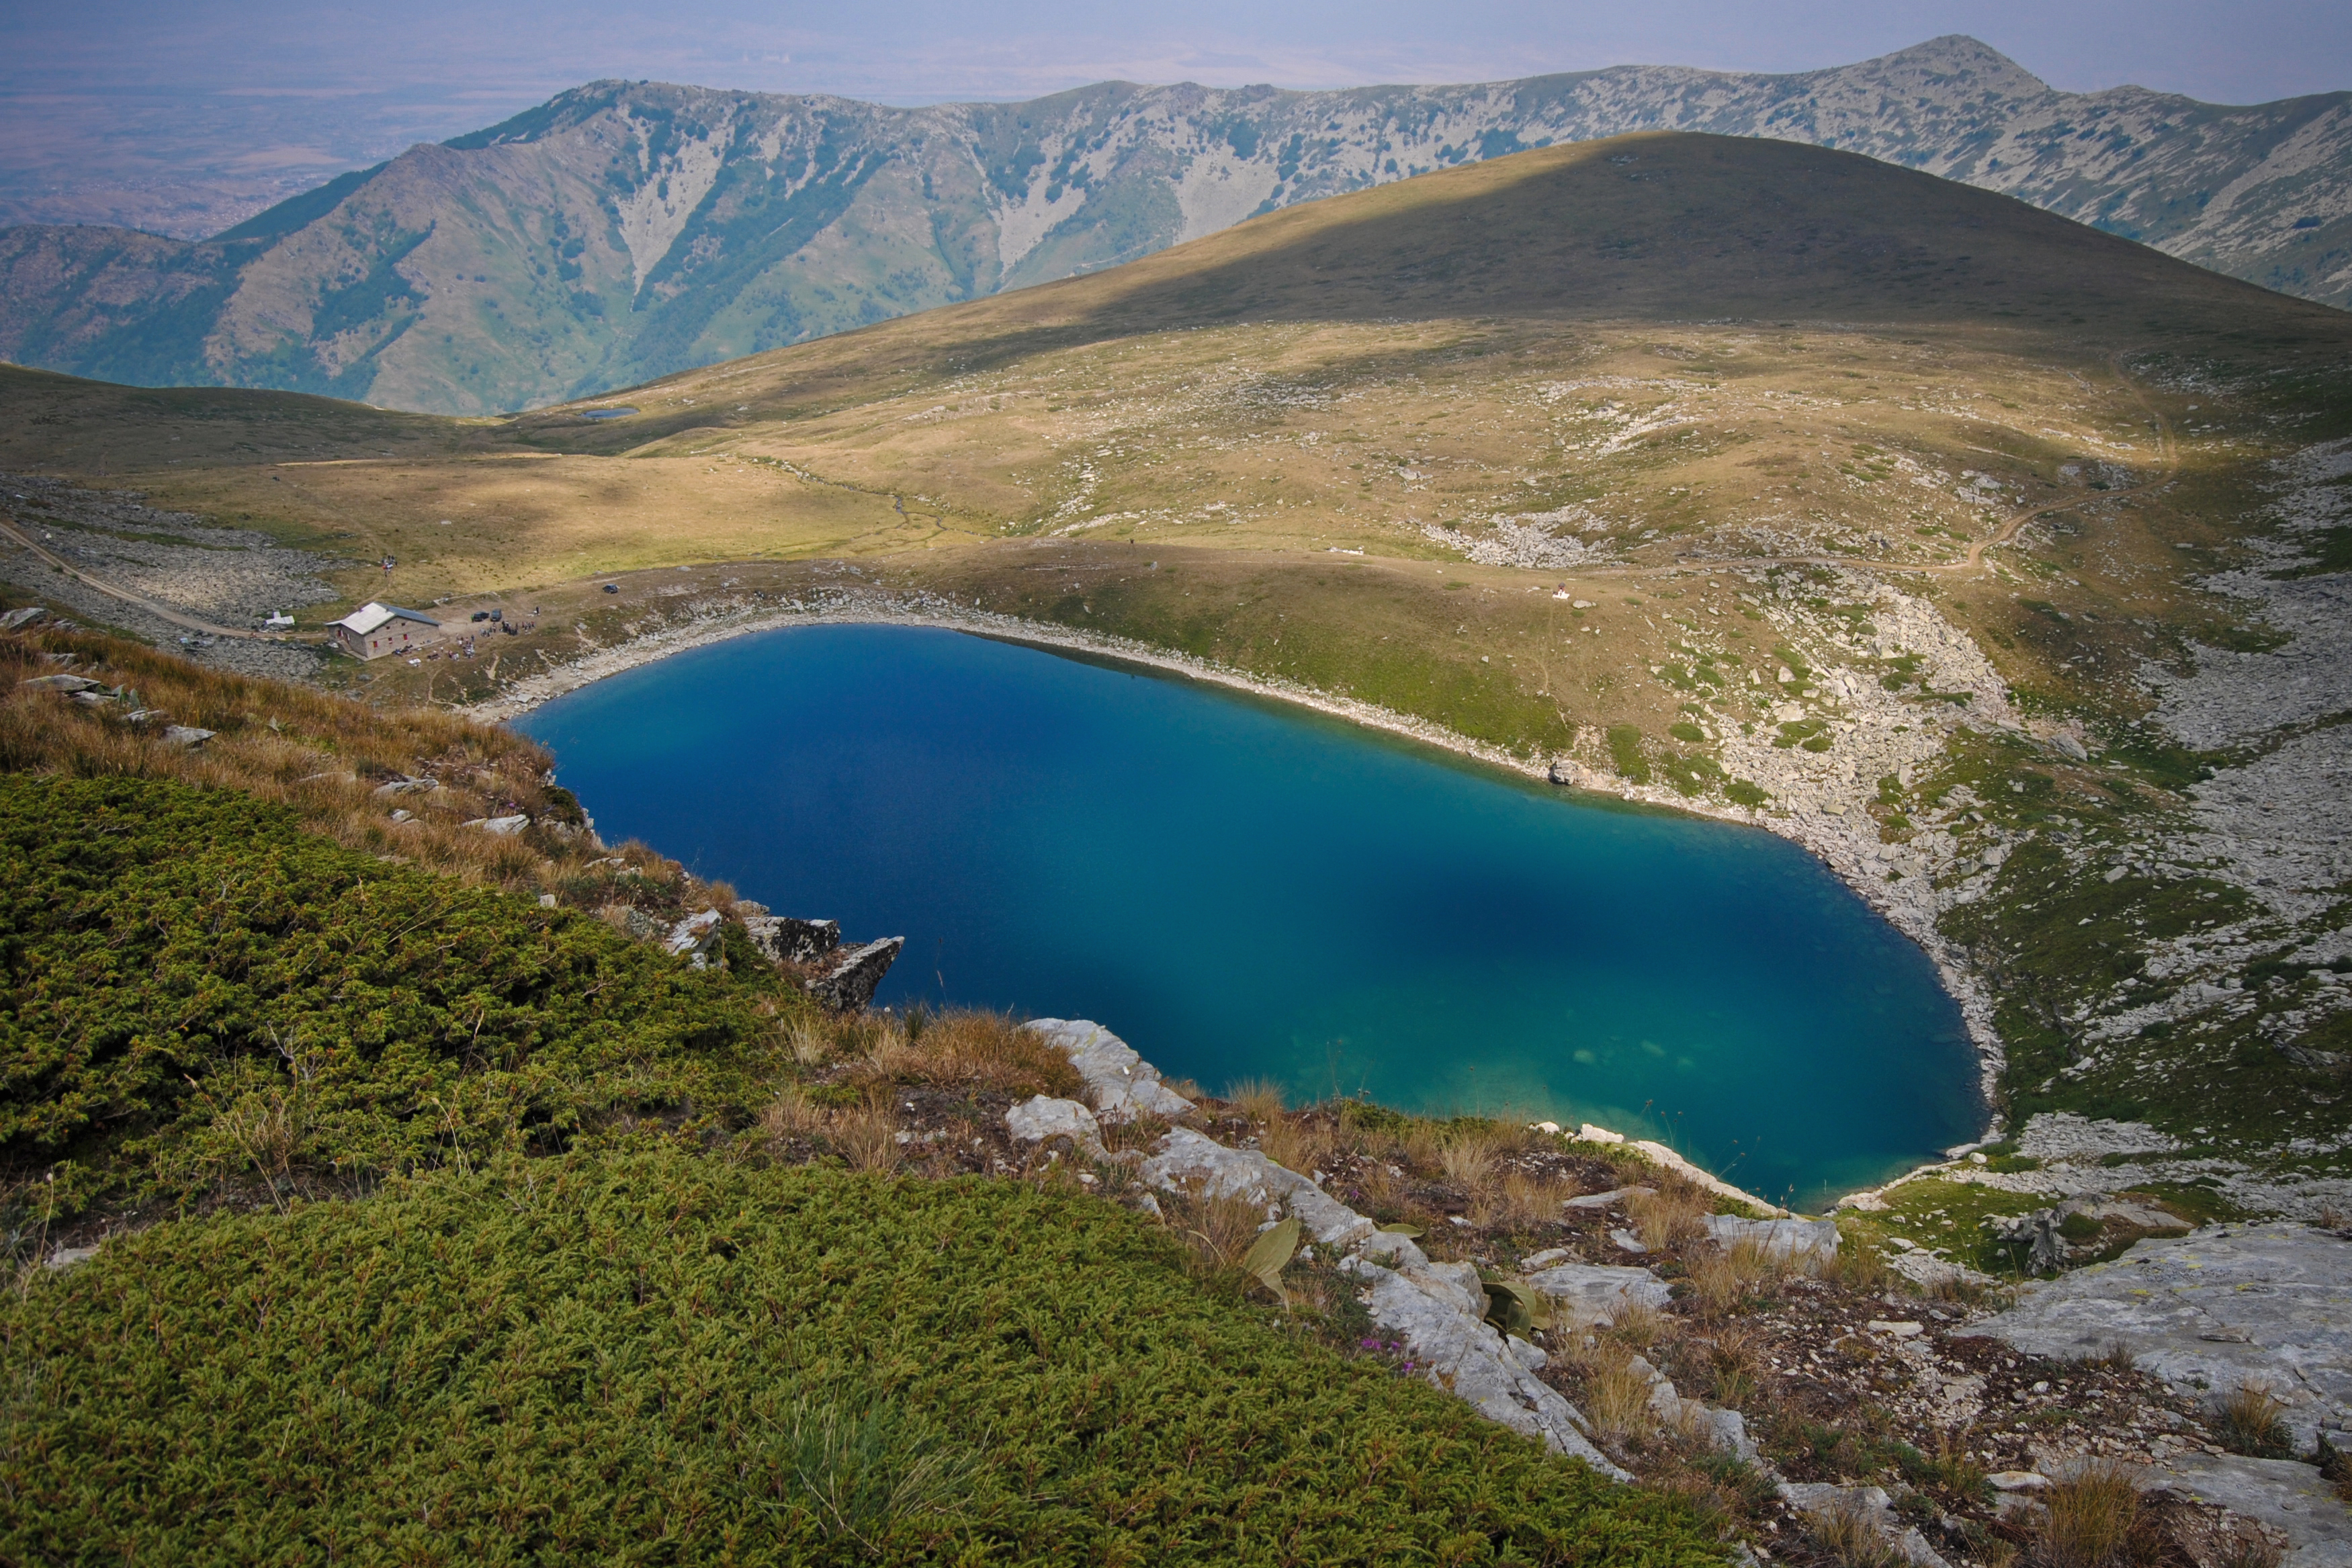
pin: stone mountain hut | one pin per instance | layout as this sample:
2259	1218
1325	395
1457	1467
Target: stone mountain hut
374	630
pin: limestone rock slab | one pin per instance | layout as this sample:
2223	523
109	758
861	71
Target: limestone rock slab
2227	1306
1122	1084
1590	1293
2289	1497
1777	1238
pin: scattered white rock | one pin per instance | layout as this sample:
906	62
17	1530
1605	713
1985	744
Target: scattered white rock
504	826
1603	1200
186	735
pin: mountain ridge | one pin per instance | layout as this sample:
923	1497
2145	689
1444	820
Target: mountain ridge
627	230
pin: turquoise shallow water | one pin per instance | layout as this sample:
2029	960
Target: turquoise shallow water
1244	890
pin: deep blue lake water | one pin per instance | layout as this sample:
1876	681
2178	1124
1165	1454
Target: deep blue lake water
1244	890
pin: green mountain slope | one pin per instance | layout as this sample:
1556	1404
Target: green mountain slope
623	231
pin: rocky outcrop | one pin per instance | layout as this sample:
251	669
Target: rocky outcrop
1188	1162
694	938
1122	1084
2219	1308
789	941
854	972
1437	1312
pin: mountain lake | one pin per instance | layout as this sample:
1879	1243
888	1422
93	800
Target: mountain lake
1244	889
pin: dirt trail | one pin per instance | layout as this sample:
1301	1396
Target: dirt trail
10	528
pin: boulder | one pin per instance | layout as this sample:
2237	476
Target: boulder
184	735
2221	1308
63	683
856	972
1725	1431
403	785
17	620
789	941
1777	1238
695	936
1604	1200
1042	1117
504	826
1121	1084
1591	1293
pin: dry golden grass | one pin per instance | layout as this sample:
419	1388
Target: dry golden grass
1852	1537
324	756
790	1115
2090	1517
866	1135
1669	1214
2251	1419
1300	1143
1518	1199
961	1048
1638	1326
1857	1267
1259	1098
1217	1232
1723	1277
1616	1396
1735	1364
1467	1151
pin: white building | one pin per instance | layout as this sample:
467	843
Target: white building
374	630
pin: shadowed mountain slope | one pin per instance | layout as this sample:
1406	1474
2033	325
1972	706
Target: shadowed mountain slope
625	230
1688	230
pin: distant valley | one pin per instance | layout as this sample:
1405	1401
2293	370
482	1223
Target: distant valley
624	231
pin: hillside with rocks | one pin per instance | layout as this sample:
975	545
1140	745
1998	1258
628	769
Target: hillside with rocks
623	231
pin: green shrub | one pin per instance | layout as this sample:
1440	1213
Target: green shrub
196	991
1626	752
660	1357
1746	792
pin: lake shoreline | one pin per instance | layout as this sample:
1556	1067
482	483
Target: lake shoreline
1824	833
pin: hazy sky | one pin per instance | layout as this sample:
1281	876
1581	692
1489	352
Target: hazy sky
205	103
2238	52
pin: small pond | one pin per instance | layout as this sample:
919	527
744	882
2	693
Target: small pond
1246	890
